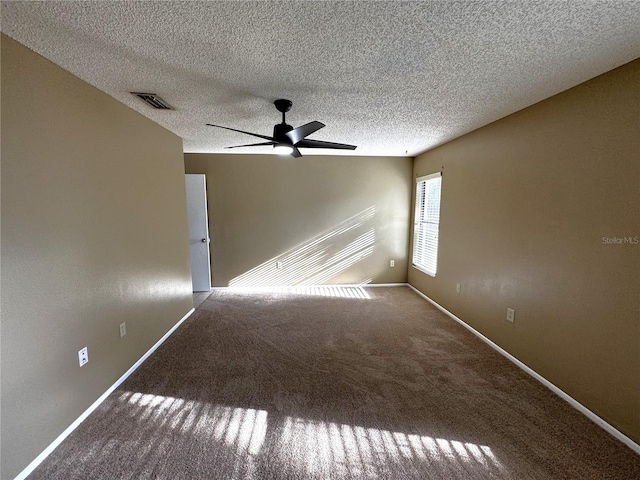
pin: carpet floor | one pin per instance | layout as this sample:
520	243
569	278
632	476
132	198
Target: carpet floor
332	383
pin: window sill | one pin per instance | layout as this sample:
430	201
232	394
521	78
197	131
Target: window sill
424	270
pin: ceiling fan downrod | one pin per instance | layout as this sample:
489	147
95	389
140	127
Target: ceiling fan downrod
283	105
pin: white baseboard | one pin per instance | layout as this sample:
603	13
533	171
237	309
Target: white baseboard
565	396
47	451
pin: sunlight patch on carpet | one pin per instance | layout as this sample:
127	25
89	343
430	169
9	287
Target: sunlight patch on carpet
320	448
335	291
241	428
246	437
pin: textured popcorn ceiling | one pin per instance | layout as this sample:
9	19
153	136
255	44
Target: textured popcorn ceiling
394	78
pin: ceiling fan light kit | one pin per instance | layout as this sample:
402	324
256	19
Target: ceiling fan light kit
283	149
286	140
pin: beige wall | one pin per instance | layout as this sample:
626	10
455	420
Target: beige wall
329	219
93	234
526	202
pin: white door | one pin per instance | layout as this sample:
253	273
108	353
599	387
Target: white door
198	232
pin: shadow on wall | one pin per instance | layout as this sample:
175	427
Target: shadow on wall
319	259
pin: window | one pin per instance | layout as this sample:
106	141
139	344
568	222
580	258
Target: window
426	223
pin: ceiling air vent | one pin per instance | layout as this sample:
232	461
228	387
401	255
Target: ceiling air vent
154	100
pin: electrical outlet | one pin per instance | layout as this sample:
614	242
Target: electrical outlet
83	356
392	263
278	264
511	314
457	288
123	329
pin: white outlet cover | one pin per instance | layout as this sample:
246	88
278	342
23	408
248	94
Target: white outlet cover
511	314
123	329
83	356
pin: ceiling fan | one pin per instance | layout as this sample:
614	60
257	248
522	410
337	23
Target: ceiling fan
286	140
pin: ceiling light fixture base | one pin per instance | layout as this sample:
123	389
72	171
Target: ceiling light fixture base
283	105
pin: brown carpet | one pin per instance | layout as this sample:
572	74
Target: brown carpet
306	386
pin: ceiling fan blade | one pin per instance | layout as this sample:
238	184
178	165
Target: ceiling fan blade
299	133
322	144
253	144
242	131
296	153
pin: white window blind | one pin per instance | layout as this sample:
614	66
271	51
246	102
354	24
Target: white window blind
426	223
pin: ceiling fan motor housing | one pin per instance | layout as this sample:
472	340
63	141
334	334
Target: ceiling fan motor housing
279	133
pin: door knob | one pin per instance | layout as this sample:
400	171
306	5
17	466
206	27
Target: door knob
204	240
